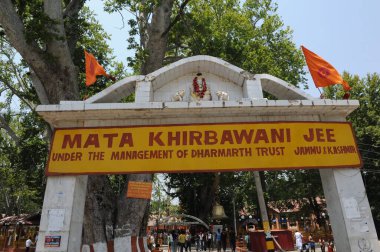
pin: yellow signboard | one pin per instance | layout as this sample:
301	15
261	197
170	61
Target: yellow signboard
203	147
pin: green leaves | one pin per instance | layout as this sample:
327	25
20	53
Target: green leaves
251	36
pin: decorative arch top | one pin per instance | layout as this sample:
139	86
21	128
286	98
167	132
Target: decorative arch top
191	65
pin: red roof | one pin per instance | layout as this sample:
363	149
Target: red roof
24	219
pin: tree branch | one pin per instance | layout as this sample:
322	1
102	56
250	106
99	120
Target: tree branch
11	133
40	89
177	18
71	14
15	32
56	72
156	45
122	19
14	29
17	93
143	25
57	45
73	8
171	59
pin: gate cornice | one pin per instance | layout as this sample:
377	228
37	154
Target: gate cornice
69	114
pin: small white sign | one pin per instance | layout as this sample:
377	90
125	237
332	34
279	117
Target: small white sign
55	219
351	208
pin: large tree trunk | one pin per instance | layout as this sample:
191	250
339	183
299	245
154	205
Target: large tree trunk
98	224
132	214
206	198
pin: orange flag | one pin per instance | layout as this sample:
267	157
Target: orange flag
93	68
322	72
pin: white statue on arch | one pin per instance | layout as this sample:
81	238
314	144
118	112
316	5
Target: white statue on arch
200	91
222	96
178	96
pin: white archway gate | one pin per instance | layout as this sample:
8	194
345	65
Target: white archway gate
62	214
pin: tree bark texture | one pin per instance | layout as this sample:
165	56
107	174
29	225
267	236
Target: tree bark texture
157	44
131	212
11	133
53	67
206	197
99	211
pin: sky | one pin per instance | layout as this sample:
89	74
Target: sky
344	32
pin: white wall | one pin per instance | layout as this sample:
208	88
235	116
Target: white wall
214	83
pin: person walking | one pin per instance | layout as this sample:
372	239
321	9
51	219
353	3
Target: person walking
188	241
232	241
170	242
209	241
28	244
182	240
330	246
173	237
311	243
247	241
224	240
151	241
201	241
323	245
218	239
298	236
204	242
198	241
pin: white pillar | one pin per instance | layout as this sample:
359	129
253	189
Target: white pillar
144	91
349	210
348	207
62	213
252	89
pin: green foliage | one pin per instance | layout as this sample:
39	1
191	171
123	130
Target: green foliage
21	162
35	21
295	189
189	189
238	187
192	190
22	166
13	78
251	36
117	183
161	202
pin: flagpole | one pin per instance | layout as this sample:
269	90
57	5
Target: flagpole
321	94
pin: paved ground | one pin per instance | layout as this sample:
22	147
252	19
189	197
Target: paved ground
165	249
